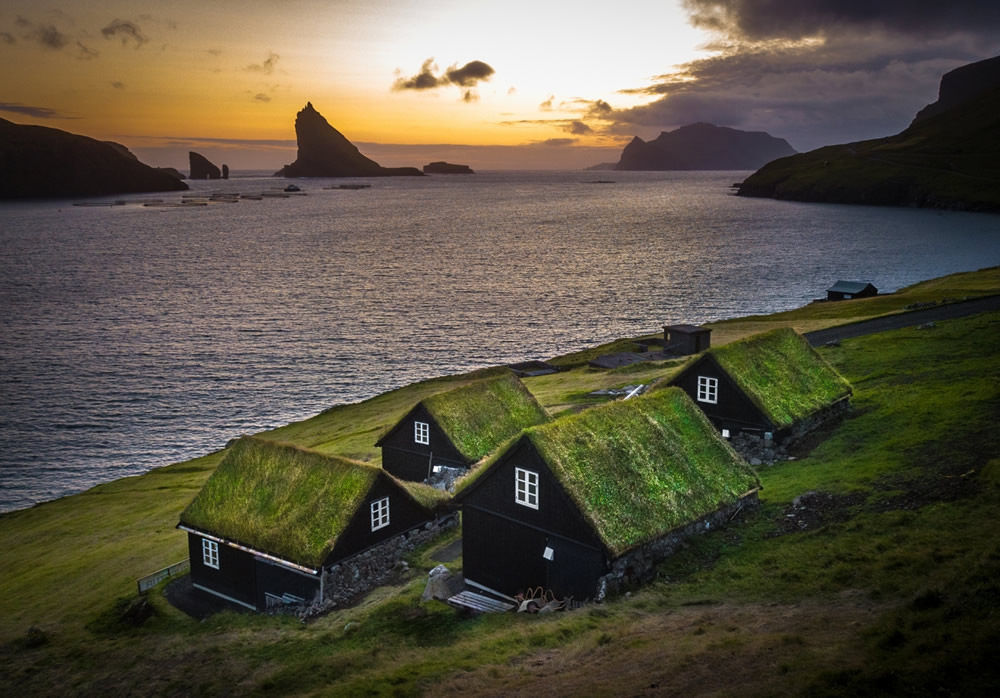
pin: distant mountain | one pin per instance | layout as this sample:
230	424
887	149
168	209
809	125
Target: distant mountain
703	146
943	160
441	167
37	161
325	152
202	168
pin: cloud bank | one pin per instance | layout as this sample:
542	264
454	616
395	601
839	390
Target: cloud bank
468	76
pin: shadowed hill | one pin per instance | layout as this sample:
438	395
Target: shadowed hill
946	160
38	161
325	152
703	146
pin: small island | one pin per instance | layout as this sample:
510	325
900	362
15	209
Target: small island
447	168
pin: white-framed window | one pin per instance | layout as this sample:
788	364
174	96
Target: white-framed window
526	487
380	513
708	389
421	432
210	553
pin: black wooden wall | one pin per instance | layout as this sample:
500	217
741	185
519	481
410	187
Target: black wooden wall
236	576
408	460
733	410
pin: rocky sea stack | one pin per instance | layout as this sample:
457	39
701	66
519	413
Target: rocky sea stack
202	167
325	152
704	146
39	161
447	168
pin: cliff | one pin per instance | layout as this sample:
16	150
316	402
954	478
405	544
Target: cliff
947	160
703	146
202	167
325	152
39	161
447	168
961	85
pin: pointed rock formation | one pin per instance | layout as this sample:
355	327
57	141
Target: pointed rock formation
325	152
202	168
40	161
704	146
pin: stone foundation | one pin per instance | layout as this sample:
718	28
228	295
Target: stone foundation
757	450
638	566
363	572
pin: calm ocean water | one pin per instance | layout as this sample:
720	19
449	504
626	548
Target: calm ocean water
133	337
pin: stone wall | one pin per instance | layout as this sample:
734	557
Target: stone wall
366	570
760	451
639	566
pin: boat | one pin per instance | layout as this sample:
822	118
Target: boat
292	187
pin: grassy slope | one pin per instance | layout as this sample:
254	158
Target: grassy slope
913	563
947	161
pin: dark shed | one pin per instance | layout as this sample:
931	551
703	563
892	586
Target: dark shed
773	382
273	516
846	290
458	427
564	502
686	339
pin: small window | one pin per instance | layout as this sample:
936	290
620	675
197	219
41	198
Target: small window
708	389
725	433
210	553
380	513
526	487
421	433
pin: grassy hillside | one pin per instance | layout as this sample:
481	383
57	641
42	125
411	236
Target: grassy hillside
946	161
882	581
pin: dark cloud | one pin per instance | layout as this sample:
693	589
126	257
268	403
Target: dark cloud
795	19
267	66
48	36
578	128
261	97
863	78
547	104
118	85
126	31
558	141
468	76
7	37
599	109
28	110
215	51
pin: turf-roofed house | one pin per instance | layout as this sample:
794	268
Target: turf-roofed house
588	503
772	385
456	428
276	525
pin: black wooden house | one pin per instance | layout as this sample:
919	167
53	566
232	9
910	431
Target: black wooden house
846	290
456	428
686	339
273	517
571	499
773	385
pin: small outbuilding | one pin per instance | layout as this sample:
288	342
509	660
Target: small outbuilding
584	504
456	428
846	290
273	520
774	385
682	340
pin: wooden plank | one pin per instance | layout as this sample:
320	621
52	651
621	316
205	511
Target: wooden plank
480	603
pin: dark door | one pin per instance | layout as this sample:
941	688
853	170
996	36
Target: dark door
573	569
501	554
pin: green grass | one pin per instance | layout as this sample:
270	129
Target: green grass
480	416
893	591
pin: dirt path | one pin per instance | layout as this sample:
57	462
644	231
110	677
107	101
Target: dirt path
905	319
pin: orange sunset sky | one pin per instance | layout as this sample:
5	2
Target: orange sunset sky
498	85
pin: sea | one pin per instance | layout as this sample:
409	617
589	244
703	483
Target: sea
148	332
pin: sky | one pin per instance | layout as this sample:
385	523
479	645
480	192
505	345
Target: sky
499	85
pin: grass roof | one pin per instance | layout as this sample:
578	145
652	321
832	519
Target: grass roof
782	374
639	468
480	416
283	500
